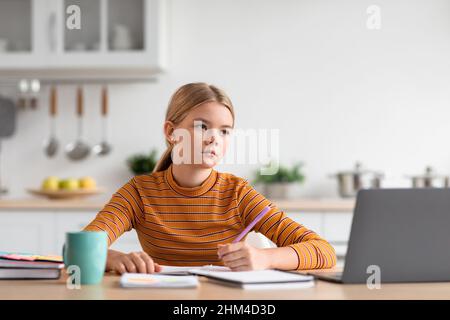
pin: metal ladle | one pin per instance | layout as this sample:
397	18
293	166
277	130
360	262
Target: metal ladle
103	148
51	145
78	149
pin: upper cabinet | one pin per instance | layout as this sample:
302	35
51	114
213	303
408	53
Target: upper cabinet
17	34
82	38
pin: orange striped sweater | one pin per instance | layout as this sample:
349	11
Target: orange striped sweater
182	226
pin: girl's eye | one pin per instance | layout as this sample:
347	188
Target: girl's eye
200	126
225	132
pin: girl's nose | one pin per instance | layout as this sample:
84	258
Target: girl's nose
212	139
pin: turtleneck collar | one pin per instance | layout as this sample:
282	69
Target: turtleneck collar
190	191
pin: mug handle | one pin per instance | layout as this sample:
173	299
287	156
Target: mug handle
64	254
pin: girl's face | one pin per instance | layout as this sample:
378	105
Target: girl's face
205	131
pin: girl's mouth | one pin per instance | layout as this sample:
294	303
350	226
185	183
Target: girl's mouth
210	153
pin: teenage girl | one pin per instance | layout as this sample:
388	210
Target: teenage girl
187	213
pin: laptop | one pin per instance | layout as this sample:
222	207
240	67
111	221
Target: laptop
397	235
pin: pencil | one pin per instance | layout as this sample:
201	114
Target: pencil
251	225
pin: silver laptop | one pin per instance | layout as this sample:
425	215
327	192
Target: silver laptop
398	235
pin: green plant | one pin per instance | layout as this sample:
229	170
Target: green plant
283	174
142	163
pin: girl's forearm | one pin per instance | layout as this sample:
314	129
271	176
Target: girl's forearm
283	258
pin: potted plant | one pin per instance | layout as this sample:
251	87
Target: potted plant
282	184
142	163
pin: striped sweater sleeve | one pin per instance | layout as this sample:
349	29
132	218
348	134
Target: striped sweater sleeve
118	215
313	252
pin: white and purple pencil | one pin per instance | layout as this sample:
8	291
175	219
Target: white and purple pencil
252	224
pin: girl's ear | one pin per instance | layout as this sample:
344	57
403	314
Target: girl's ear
168	130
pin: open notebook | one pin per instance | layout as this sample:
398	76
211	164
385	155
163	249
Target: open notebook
263	279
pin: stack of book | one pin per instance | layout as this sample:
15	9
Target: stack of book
29	266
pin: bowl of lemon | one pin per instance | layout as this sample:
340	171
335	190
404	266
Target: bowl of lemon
68	188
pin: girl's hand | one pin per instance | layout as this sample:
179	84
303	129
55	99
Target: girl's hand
241	256
135	262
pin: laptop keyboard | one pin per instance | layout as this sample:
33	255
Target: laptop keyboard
336	275
333	275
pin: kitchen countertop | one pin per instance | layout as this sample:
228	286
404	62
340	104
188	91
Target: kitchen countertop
304	205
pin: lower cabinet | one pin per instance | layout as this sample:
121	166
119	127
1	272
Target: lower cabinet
25	231
332	226
43	232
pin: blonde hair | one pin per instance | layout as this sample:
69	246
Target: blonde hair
186	98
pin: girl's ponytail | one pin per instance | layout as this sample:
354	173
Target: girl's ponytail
165	161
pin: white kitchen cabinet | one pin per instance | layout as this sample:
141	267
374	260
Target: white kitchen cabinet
67	221
336	226
128	242
20	34
41	44
332	226
311	220
43	231
336	229
24	231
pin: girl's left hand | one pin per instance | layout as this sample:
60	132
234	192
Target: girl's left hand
241	256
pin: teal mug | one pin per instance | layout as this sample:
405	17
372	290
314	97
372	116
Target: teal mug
88	251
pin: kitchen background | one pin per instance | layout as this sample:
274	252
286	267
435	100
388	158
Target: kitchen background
338	91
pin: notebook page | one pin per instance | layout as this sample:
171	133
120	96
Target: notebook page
186	270
172	269
260	276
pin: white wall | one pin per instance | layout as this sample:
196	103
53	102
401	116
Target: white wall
337	91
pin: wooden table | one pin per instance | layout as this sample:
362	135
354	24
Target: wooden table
110	289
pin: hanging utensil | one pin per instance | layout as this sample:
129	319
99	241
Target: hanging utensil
51	145
103	148
78	149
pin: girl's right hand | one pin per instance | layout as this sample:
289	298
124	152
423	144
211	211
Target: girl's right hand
134	262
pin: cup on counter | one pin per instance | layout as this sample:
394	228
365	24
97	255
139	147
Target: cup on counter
87	250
